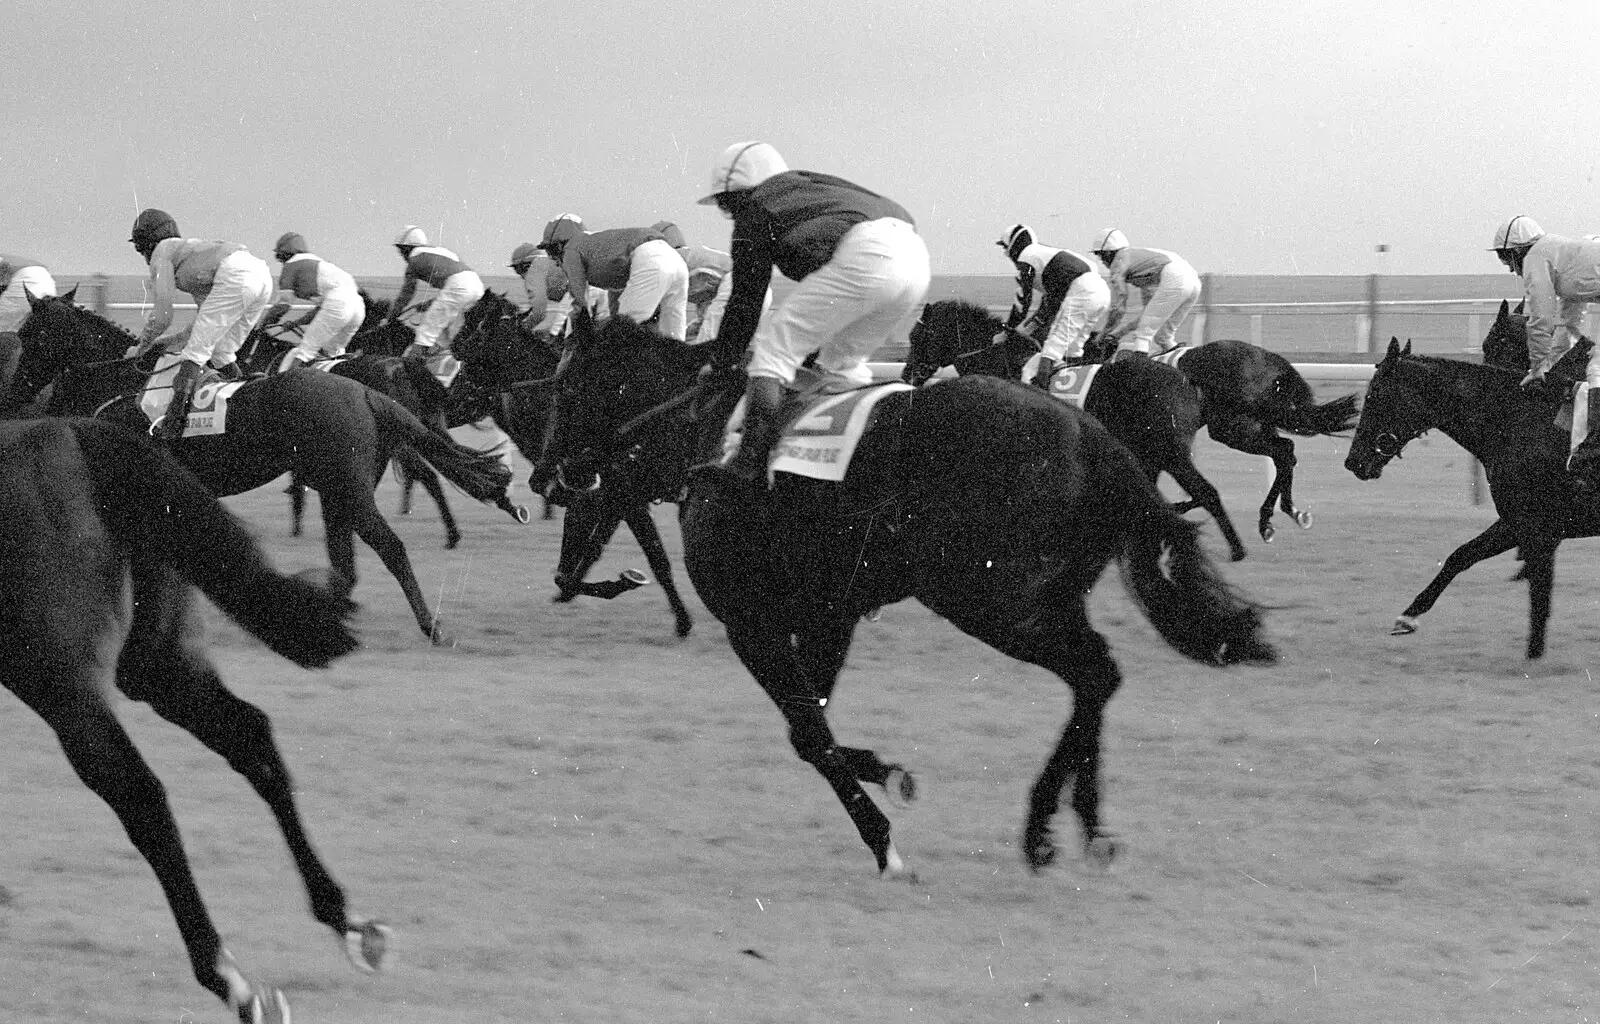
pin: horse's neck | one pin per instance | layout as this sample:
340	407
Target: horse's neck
1468	413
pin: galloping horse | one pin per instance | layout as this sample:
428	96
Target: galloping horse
506	370
1248	394
335	434
1147	406
105	538
994	505
1512	434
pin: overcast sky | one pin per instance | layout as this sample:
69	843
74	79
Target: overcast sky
1251	137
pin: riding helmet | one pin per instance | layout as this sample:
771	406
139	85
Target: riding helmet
152	226
1017	238
411	235
527	252
671	232
1109	240
1516	233
290	244
743	165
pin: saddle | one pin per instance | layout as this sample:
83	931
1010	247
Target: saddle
208	413
824	417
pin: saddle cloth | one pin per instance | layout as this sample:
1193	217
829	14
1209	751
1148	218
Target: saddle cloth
208	414
824	426
1172	355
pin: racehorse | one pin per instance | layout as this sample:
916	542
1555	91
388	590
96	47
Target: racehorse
408	382
506	370
994	505
335	434
1248	393
105	538
1512	434
1147	406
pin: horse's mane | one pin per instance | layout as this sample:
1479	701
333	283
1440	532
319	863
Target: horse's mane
99	320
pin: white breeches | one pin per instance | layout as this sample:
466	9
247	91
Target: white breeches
657	278
460	293
339	317
239	294
844	311
14	301
1080	311
1166	306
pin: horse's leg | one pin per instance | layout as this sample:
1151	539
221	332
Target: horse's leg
591	522
347	510
1243	434
416	470
1498	538
643	525
66	684
1201	490
774	662
1539	569
167	669
822	652
297	505
406	483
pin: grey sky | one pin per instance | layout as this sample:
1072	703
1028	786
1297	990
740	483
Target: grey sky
1252	137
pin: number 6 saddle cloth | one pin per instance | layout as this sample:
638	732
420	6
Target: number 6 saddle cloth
208	414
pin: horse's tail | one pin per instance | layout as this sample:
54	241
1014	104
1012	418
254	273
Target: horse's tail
1335	417
481	474
163	514
1172	578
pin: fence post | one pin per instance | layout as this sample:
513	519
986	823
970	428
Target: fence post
101	284
1372	312
1207	285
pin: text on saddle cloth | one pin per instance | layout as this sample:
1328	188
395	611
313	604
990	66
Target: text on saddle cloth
208	413
820	440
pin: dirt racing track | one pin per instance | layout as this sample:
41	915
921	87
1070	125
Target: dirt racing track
573	816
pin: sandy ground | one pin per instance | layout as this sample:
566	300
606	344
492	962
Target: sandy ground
573	816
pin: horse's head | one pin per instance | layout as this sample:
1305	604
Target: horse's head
57	336
954	332
480	332
1506	344
609	374
1394	413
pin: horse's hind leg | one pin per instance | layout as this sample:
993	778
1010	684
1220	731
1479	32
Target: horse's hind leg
350	509
297	506
1497	539
415	470
822	652
1201	490
167	670
1243	434
643	526
773	661
1539	568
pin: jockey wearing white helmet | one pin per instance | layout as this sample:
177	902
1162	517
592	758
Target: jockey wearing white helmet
1073	298
230	288
19	278
339	312
639	263
1560	276
459	286
1168	288
862	271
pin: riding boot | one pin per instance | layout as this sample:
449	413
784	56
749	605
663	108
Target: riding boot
230	371
177	415
762	396
1584	464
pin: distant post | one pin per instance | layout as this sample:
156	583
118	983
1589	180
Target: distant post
101	284
1372	300
1207	287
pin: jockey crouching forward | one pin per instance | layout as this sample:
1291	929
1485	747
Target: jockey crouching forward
19	278
460	288
651	276
326	331
549	304
1560	276
862	271
1166	282
1074	299
230	288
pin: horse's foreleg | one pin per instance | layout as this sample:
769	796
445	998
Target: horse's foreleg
643	525
822	652
297	506
1201	490
358	513
1539	569
590	523
1498	538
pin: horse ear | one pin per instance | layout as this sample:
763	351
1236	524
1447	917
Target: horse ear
1407	350
33	300
1519	309
71	296
1394	349
1505	310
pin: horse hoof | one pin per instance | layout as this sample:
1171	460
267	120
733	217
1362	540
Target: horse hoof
521	515
893	869
366	944
1238	555
1305	519
438	637
1101	850
900	786
1405	625
634	578
874	615
264	1005
684	626
1267	532
451	541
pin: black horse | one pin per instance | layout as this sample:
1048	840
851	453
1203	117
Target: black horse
1147	406
991	503
105	538
1248	393
507	372
335	434
1512	434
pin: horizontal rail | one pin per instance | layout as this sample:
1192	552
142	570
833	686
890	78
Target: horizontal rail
1310	371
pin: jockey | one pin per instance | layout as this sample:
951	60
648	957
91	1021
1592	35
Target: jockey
651	275
19	278
1074	298
549	305
1560	275
710	282
339	313
862	271
1168	284
459	286
230	288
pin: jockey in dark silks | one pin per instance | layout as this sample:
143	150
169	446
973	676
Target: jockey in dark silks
1073	300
